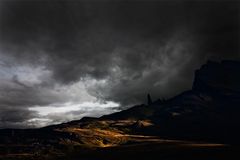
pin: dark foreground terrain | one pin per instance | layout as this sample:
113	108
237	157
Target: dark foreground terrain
144	150
133	147
200	124
165	151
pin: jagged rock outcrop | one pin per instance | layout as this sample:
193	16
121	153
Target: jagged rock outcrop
149	99
218	78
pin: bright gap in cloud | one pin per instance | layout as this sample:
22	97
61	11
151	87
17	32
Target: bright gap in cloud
59	113
69	107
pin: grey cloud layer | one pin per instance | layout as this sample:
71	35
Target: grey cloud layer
120	49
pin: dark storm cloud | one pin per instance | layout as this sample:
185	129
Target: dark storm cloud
123	49
15	118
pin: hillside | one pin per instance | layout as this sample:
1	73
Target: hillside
202	120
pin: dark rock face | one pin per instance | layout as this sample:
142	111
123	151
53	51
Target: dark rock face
218	78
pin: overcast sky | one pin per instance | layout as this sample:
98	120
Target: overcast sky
62	60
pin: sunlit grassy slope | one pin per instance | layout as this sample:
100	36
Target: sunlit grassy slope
88	139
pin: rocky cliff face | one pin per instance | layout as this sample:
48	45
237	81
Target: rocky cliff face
218	78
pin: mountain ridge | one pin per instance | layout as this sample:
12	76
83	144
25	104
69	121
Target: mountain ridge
207	113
